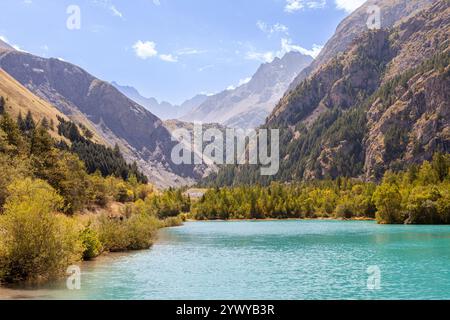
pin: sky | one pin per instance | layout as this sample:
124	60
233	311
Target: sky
171	49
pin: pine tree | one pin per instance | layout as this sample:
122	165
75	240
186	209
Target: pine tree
2	105
30	125
21	122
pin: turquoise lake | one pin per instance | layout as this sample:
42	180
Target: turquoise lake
272	260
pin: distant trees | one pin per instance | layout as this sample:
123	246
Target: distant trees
97	157
342	198
419	195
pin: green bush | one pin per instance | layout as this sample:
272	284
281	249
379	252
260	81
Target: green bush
121	234
36	244
91	243
173	222
141	230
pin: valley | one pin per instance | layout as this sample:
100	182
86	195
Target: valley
322	166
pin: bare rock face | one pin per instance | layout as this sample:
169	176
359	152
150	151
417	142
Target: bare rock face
339	84
141	135
392	12
421	111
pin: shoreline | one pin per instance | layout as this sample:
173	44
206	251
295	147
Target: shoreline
287	219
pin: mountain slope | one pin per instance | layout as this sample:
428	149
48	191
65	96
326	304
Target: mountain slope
248	105
163	110
20	100
383	104
5	47
392	12
117	119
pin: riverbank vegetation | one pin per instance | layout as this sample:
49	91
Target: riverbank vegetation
419	195
67	200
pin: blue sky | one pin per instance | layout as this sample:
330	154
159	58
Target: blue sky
172	49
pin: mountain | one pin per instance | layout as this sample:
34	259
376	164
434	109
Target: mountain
381	105
392	12
18	99
5	46
141	135
248	105
163	110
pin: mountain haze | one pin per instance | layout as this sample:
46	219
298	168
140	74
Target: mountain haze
163	110
248	105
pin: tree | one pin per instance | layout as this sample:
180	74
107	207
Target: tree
2	105
21	122
13	134
30	125
422	205
388	201
427	175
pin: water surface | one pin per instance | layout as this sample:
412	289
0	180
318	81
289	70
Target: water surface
272	260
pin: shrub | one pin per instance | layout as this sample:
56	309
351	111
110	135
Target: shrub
91	243
112	233
36	244
141	230
173	222
121	234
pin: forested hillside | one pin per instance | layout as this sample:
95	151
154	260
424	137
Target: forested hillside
382	105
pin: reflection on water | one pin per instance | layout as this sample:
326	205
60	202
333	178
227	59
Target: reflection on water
270	260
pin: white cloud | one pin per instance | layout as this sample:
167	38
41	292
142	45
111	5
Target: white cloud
349	5
168	58
244	81
241	82
296	5
287	46
276	28
145	50
107	4
261	56
201	69
156	2
189	51
115	12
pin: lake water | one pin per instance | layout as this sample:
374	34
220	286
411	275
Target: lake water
272	260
